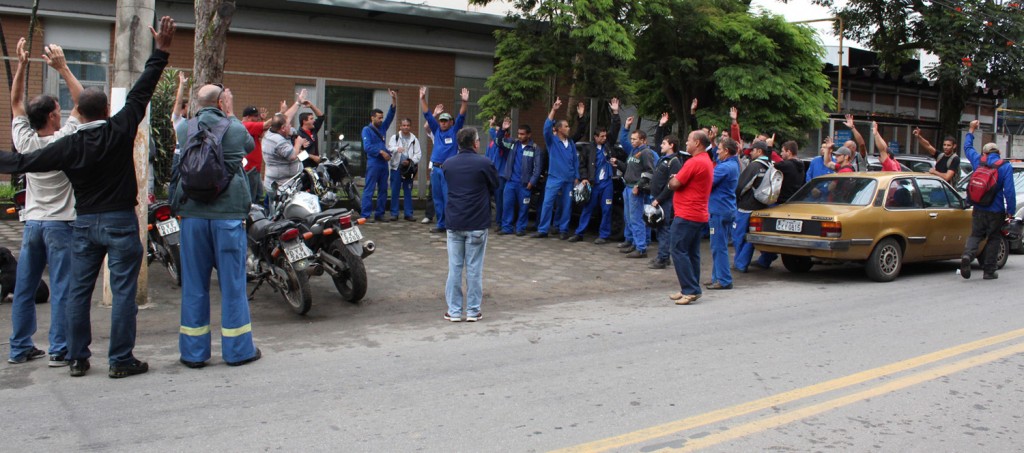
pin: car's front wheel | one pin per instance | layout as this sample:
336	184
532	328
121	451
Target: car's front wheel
885	262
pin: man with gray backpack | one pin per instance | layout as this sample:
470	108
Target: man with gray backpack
758	187
213	200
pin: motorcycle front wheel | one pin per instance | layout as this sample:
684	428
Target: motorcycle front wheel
296	292
351	284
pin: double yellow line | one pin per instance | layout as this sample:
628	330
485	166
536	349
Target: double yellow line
678	426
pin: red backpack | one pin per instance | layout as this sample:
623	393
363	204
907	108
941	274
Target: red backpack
983	185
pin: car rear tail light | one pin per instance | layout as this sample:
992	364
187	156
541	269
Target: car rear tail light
19	198
756	224
163	213
345	222
290	235
831	229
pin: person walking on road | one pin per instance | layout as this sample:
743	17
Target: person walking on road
987	220
471	179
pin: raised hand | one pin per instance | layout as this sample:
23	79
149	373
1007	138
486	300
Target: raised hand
283	106
263	113
734	114
874	127
54	56
182	78
693	105
629	122
974	125
491	121
22	53
505	125
771	141
302	96
163	37
557	105
423	92
581	108
613	104
465	95
394	95
714	131
849	121
917	132
438	109
664	119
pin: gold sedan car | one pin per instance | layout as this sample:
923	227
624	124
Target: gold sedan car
882	220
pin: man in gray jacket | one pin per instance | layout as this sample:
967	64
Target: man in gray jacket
213	234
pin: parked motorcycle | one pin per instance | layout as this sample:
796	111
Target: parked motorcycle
164	244
309	200
277	255
342	179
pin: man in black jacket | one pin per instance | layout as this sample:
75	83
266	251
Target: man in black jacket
668	165
596	170
98	160
750	179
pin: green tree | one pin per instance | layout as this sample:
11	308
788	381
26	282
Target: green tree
586	43
161	128
719	52
975	42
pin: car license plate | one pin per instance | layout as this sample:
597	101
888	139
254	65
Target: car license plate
791	226
351	235
168	227
297	252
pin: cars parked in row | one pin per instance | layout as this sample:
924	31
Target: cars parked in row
882	220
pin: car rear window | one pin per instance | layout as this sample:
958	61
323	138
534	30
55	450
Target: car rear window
843	191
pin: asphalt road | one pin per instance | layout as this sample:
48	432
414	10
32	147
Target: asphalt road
826	361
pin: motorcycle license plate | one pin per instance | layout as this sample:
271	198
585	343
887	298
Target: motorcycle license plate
297	252
351	235
168	227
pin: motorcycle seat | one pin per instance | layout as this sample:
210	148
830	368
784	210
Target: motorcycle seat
315	217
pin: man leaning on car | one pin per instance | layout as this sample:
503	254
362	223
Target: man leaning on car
987	221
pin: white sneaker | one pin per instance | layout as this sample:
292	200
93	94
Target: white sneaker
425	220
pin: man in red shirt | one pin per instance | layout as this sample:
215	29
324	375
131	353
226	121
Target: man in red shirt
692	186
254	124
884	156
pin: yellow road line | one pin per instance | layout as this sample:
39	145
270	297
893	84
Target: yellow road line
809	411
688	423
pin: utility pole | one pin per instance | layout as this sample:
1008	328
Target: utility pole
133	43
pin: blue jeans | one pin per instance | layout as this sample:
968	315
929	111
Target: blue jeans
516	194
114	235
721	231
465	250
376	178
636	229
601	194
439	192
44	242
686	254
205	245
398	184
665	233
560	193
744	250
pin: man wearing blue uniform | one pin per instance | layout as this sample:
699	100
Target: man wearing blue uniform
521	173
817	167
445	146
497	155
377	156
641	160
563	173
596	170
722	210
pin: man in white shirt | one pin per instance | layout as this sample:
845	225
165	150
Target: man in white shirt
405	160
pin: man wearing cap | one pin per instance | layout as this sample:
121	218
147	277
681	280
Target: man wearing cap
987	221
377	158
843	162
444	131
746	203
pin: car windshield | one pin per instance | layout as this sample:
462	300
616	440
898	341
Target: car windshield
845	191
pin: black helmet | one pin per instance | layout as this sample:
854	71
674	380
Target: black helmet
654	216
645	181
581	193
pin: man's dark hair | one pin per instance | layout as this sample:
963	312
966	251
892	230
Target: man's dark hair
559	123
672	141
374	112
406	120
640	134
730	145
39	110
277	122
467	137
599	130
525	128
790	146
702	138
304	116
949	138
92	104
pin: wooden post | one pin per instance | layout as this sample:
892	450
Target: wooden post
133	43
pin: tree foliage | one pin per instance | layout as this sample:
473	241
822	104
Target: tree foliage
660	54
975	42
